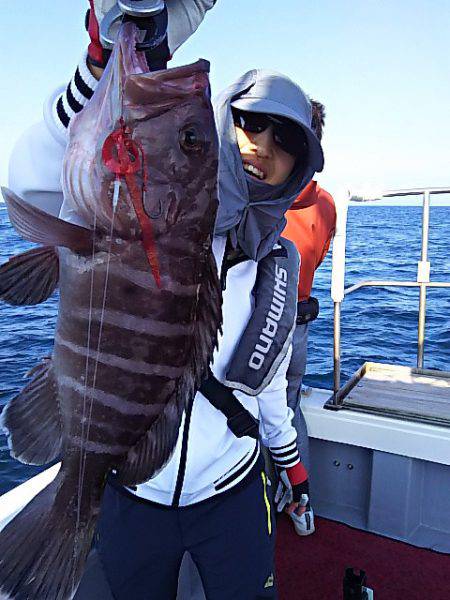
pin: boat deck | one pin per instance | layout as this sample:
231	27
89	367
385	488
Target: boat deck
411	455
399	392
312	568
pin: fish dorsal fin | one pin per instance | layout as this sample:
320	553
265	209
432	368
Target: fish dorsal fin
155	448
37	226
30	277
32	419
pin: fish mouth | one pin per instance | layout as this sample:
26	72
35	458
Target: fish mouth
254	171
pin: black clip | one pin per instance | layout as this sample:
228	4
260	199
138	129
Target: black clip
355	585
244	423
150	16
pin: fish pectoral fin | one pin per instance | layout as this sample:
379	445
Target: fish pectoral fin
32	419
30	277
208	321
37	226
154	449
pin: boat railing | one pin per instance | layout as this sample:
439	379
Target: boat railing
339	292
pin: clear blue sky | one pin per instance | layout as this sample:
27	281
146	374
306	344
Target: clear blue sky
381	67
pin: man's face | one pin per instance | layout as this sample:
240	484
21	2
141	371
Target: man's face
262	156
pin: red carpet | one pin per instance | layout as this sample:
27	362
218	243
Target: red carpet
312	568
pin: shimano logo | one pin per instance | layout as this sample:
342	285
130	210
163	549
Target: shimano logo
275	313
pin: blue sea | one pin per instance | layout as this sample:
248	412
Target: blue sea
383	242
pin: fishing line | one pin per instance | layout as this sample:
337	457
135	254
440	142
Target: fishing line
120	102
102	314
91	185
86	375
85	432
125	144
83	452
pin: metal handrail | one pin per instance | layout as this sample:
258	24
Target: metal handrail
381	283
415	192
423	278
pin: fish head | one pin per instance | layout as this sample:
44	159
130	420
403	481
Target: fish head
171	119
142	158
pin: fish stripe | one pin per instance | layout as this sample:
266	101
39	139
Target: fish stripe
120	404
125	320
137	366
127	344
99	447
117	381
165	306
108	433
145	280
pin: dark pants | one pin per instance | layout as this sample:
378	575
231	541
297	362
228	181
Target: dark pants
141	545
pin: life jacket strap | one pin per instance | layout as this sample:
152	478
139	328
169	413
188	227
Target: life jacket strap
240	421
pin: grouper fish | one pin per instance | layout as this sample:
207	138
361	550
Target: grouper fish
139	311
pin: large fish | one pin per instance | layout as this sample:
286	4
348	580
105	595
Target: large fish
138	315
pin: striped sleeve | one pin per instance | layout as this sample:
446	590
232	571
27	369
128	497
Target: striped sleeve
285	456
277	432
77	94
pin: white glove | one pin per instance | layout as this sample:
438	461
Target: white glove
284	496
184	17
292	498
101	7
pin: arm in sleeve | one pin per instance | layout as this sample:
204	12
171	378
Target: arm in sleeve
325	249
63	106
35	168
36	161
184	18
276	428
331	219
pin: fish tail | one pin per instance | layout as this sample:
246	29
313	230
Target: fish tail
43	550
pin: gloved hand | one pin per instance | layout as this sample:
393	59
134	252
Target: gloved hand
293	490
283	496
184	17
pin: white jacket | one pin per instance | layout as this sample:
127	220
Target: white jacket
208	458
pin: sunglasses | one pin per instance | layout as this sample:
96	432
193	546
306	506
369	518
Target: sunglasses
289	136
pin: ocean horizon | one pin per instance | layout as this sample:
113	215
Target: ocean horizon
378	324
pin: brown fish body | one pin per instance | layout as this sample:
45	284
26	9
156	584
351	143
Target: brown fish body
120	352
138	337
138	316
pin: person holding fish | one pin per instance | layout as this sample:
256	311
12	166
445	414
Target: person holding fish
170	445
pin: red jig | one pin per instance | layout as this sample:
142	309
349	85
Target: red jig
122	156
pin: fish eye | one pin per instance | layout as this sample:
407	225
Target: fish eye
192	139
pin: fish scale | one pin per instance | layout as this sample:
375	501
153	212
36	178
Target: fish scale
137	323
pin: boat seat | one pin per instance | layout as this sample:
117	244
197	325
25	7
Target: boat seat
399	392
